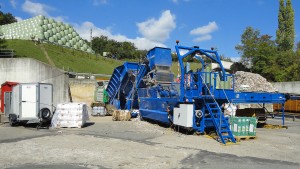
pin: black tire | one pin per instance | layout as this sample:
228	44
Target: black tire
12	120
45	113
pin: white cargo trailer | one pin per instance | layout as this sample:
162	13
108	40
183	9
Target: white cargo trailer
31	103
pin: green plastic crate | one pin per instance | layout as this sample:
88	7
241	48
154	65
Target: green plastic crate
252	126
236	126
243	126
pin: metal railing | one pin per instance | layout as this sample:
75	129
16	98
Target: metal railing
87	75
6	53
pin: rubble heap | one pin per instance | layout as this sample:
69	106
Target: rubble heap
251	82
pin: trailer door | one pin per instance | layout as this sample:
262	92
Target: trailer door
7	103
45	95
28	101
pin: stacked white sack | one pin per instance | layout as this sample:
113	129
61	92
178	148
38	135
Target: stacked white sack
70	115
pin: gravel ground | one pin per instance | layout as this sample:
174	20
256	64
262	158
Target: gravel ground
104	143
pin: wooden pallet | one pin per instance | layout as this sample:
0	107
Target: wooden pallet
272	126
239	138
64	127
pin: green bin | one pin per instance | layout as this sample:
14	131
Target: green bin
252	126
243	126
235	125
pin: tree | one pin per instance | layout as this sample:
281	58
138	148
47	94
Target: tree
224	58
116	50
281	25
263	61
248	46
298	50
238	66
6	18
286	67
290	25
258	52
285	34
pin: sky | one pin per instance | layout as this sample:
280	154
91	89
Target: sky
150	23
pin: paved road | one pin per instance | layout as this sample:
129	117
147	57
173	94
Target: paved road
107	144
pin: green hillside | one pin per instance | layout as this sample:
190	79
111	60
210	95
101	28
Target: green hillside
65	58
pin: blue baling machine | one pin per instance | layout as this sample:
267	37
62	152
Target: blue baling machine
194	102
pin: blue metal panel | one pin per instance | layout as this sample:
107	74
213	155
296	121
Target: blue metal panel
153	104
159	56
255	97
156	115
123	83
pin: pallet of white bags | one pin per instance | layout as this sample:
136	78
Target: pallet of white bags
70	115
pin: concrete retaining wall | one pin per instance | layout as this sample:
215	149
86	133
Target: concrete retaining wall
288	87
28	70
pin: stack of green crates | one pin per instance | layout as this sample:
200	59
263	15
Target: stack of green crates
243	126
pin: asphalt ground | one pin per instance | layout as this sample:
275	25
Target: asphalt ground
104	143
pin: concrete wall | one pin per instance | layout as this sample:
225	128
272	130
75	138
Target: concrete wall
28	70
288	87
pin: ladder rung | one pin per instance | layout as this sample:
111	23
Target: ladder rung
223	125
226	136
224	131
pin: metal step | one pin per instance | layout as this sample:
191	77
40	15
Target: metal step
224	131
220	122
226	136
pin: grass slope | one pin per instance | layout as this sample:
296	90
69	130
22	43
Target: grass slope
65	58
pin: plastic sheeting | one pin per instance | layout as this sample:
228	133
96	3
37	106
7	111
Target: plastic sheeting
99	111
47	30
70	115
121	115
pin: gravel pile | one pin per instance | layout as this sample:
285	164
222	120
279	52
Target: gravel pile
251	82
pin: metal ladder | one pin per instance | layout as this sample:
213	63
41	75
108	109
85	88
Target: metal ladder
220	122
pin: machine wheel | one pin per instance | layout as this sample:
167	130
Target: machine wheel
140	117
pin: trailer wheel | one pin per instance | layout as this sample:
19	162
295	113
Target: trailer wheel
12	120
45	113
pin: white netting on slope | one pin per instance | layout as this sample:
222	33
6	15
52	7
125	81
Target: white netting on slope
45	29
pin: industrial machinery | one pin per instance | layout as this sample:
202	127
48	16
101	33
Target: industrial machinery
123	84
194	103
31	103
